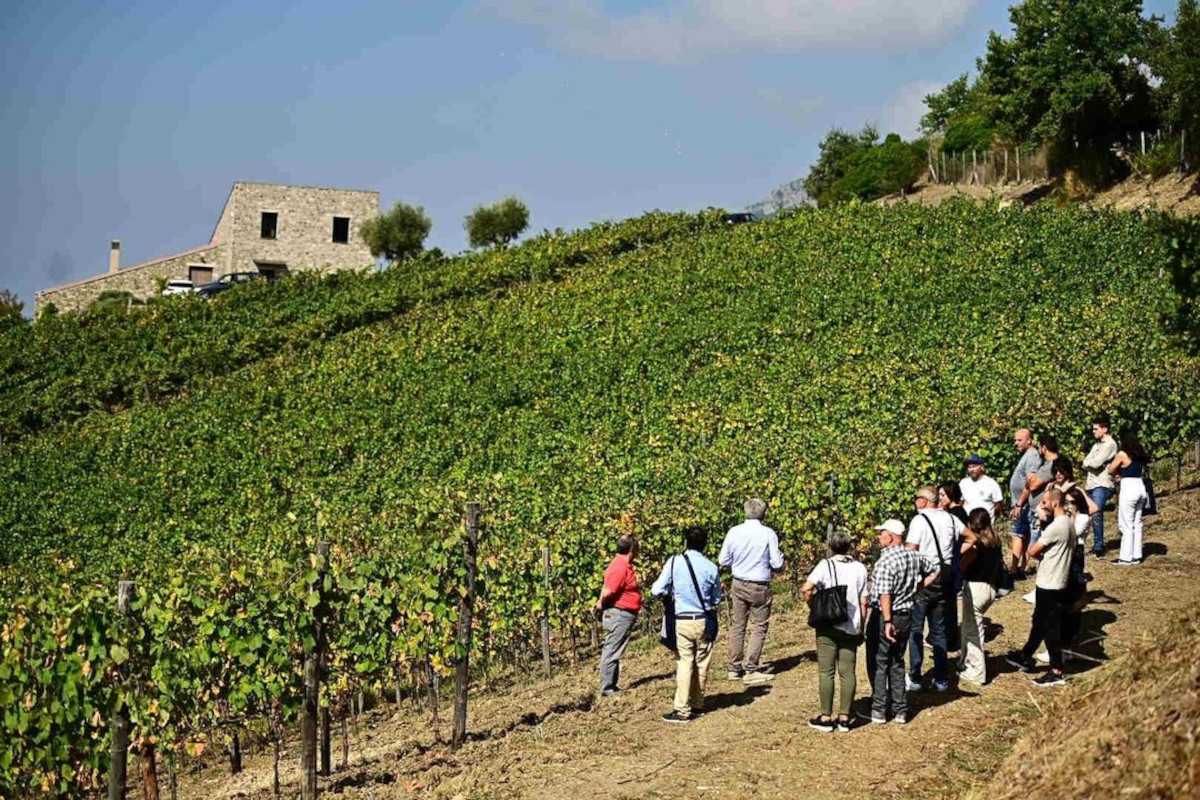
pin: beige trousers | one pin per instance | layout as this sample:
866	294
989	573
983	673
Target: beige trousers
691	665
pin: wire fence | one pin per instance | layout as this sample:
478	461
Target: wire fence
990	167
1148	153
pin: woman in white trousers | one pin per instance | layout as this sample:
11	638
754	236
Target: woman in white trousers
1128	467
982	565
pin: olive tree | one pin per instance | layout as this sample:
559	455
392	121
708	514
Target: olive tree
397	234
497	224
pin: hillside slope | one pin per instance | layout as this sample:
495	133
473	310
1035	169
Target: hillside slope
827	360
1127	724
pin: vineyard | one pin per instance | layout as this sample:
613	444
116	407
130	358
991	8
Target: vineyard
639	376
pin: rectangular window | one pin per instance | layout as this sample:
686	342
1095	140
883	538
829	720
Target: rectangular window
341	230
270	224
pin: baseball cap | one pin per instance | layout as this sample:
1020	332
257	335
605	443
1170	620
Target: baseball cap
893	525
974	458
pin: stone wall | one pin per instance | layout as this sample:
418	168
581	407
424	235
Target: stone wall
141	280
304	238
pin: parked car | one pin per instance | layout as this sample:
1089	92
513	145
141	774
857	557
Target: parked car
228	282
739	218
178	286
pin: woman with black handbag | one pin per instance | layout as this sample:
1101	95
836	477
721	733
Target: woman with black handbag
836	591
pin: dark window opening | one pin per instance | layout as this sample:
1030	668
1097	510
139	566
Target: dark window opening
341	230
270	224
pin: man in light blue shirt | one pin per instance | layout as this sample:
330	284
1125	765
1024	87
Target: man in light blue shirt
693	648
751	551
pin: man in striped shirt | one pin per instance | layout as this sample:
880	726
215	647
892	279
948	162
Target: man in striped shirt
898	575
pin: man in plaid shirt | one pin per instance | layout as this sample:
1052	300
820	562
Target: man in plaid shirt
898	575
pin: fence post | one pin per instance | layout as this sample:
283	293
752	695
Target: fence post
312	685
546	609
1182	151
1143	143
466	607
1006	165
120	719
1018	163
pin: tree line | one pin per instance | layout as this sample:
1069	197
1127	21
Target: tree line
400	234
1079	78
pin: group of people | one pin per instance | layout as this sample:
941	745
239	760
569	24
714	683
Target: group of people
949	554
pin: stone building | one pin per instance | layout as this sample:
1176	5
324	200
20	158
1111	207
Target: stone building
264	227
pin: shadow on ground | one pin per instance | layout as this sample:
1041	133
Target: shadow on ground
743	697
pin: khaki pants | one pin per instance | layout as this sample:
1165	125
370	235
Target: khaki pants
691	665
751	603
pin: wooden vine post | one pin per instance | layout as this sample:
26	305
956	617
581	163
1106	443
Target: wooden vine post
120	720
546	609
326	744
312	684
466	609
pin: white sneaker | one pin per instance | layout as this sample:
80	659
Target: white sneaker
1031	598
941	686
911	685
1044	657
757	678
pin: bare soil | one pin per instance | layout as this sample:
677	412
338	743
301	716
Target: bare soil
1178	194
556	739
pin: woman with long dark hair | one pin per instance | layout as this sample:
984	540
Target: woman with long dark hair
1128	466
982	568
950	500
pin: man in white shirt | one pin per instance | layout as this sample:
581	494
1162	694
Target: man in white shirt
751	552
979	490
934	534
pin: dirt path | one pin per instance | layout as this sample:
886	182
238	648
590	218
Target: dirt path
554	739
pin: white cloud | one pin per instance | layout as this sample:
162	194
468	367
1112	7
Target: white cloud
904	110
688	30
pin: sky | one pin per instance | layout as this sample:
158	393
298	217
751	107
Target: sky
131	120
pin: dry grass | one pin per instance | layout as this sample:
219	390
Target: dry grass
1131	731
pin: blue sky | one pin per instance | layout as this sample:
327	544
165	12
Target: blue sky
131	120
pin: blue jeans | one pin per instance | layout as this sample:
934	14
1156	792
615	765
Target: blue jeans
933	610
1100	496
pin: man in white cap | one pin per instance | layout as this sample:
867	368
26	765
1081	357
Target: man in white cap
898	575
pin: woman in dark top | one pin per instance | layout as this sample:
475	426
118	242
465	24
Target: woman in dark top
1128	466
950	499
982	567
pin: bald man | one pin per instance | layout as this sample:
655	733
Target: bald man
1029	462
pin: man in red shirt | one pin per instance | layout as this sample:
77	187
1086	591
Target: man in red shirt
620	601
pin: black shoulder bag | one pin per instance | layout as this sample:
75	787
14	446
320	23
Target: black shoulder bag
828	606
943	587
666	632
711	624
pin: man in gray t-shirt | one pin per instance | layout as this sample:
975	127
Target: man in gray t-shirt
1038	481
1029	462
1056	548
